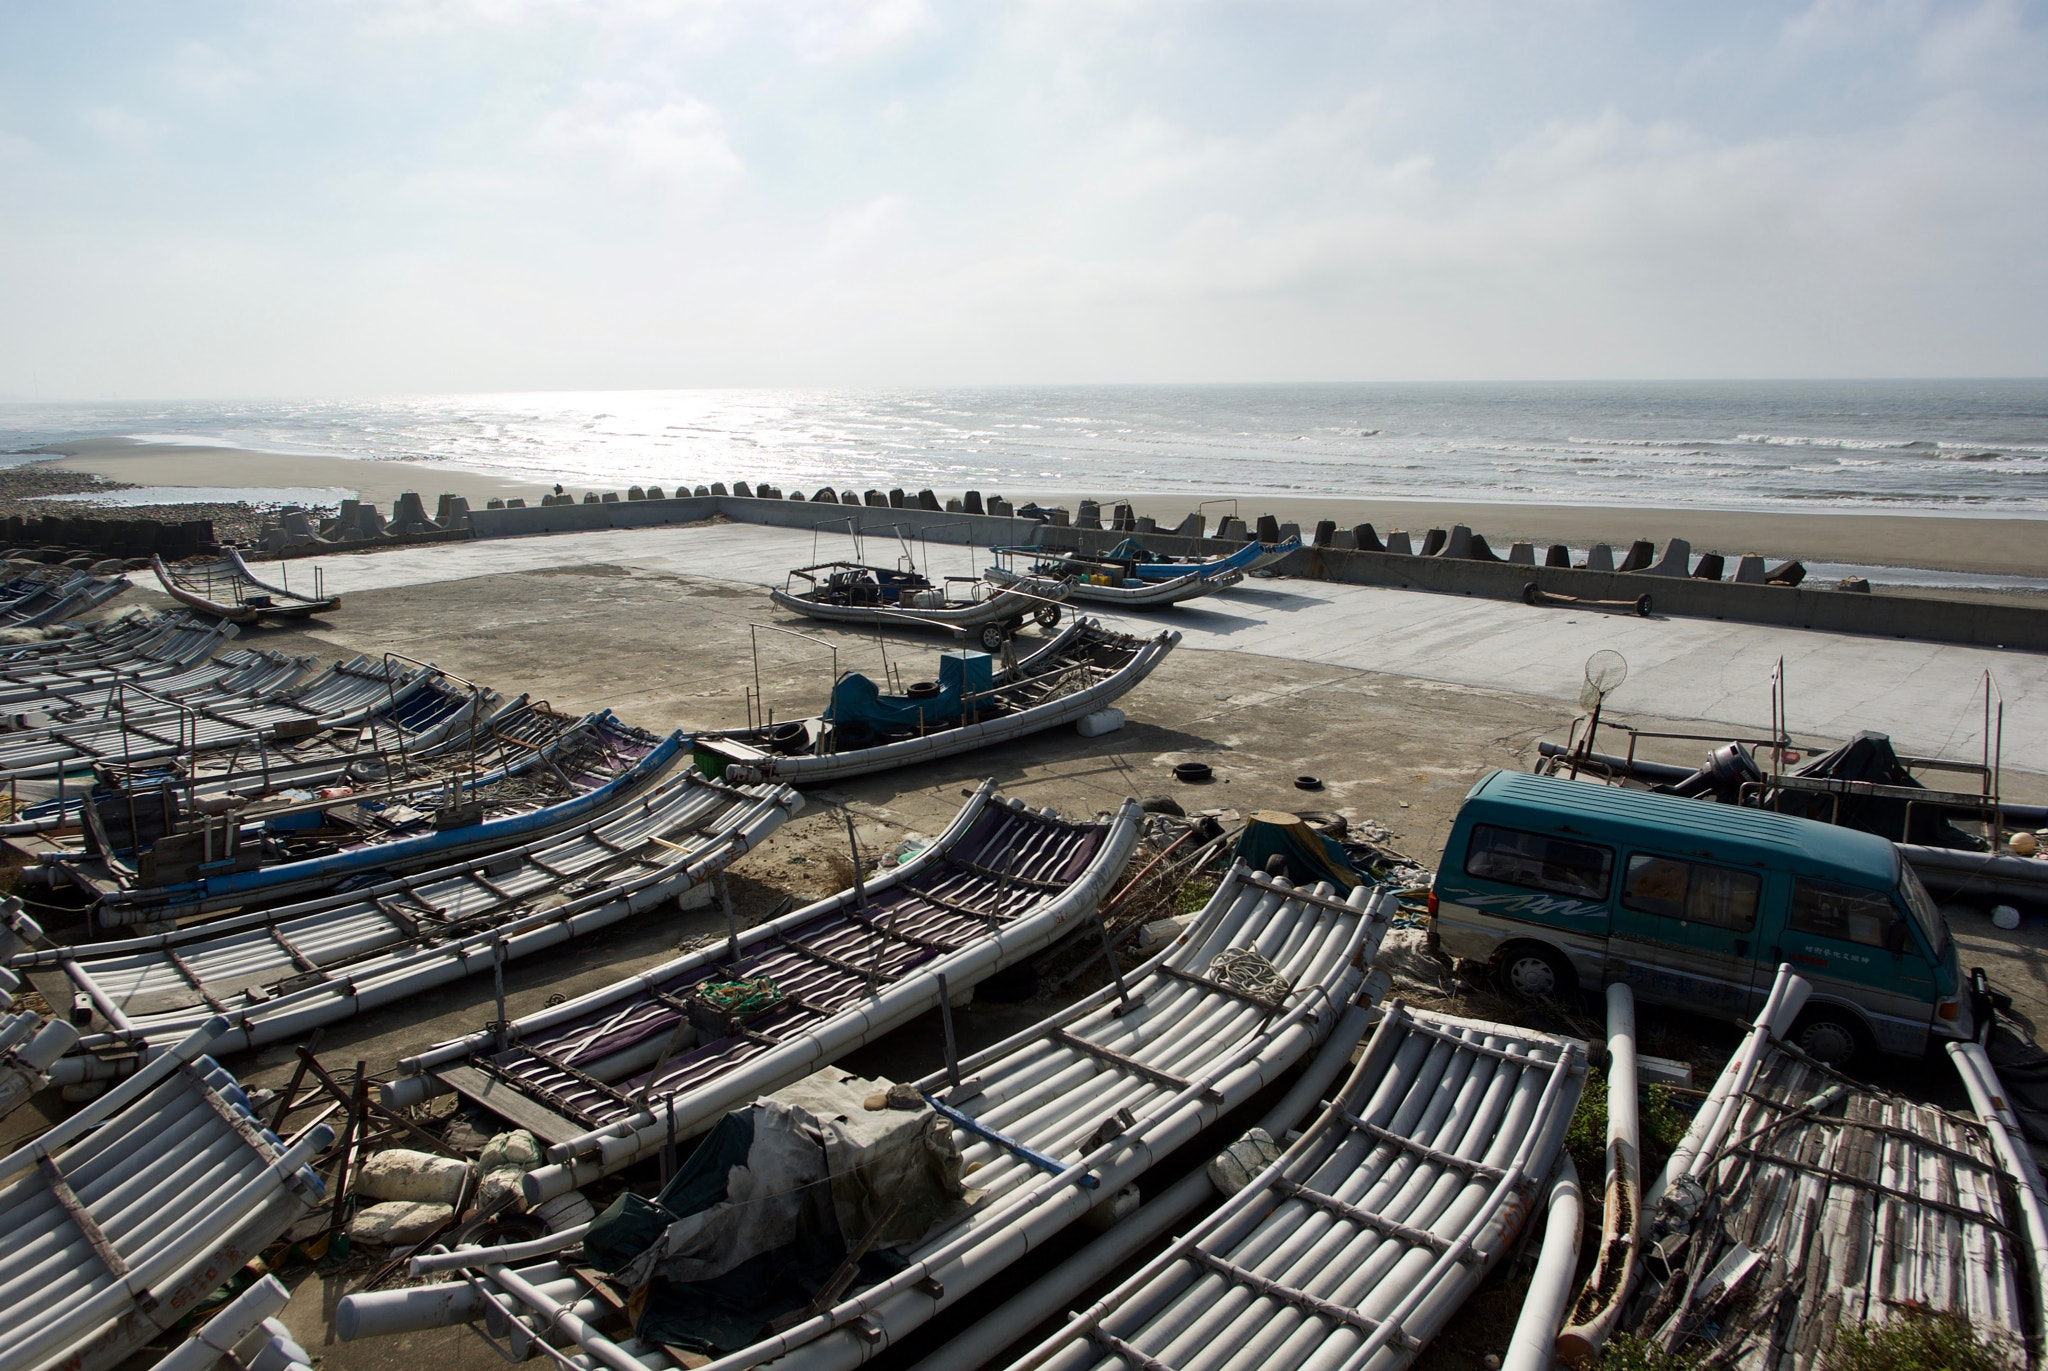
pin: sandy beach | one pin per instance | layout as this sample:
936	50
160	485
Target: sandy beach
164	464
1933	542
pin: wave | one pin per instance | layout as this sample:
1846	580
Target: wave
1851	444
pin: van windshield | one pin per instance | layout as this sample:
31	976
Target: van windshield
1926	912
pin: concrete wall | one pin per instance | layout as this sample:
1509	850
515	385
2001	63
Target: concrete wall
1923	617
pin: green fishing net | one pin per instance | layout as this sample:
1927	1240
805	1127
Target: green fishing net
742	996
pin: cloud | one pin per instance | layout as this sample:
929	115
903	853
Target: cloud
847	30
121	126
680	142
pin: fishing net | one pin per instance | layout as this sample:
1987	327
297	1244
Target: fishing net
1242	968
742	996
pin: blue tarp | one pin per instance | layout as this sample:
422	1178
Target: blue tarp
858	700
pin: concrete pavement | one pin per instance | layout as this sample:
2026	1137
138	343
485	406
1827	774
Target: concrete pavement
1927	696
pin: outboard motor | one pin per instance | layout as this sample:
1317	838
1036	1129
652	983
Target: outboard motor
1727	770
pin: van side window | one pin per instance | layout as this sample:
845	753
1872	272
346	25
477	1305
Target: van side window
1554	864
1839	911
1714	895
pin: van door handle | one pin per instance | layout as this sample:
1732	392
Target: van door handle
1777	953
1742	947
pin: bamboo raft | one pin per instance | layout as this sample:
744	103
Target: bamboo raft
1830	1205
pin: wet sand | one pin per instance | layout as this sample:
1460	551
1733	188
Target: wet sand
162	464
1933	542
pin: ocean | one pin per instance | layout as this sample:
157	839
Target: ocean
1936	447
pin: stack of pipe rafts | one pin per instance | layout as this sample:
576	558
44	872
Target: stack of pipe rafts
276	974
226	588
118	1221
1356	1247
602	1077
1108	579
135	727
154	860
1063	1117
52	596
29	1043
1801	1205
852	593
971	705
432	727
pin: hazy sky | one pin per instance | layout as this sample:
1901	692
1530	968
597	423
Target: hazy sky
424	195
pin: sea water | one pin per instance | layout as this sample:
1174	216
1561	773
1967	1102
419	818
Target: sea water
1949	447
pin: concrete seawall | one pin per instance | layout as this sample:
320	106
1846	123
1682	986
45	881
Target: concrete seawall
1926	618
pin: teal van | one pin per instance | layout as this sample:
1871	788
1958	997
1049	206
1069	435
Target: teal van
1562	885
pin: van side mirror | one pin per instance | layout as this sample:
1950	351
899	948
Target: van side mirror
1895	937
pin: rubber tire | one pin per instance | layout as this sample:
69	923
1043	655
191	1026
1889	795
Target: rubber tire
1831	1035
992	636
1048	616
1522	966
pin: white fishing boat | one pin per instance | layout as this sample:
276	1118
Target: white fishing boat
972	705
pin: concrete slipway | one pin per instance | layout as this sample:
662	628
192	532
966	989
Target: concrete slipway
1925	695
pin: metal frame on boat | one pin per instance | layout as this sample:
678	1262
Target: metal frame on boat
612	1075
282	972
1083	669
118	1220
227	588
1357	1246
1057	1118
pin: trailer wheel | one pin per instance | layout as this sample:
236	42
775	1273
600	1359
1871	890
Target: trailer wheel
1048	616
1536	971
992	636
1829	1035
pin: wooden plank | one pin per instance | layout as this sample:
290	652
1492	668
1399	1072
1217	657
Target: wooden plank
508	1104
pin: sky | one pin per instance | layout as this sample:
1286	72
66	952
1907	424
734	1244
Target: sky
409	196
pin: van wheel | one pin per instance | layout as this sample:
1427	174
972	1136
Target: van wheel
1532	971
1829	1036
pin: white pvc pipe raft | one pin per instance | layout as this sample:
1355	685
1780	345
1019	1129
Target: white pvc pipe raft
1534	1344
115	1221
1356	1247
2015	1157
1598	1308
986	923
382	942
228	1329
1203	1050
1054	1292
